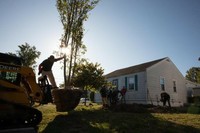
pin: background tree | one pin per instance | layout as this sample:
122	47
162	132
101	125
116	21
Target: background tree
193	74
72	14
28	54
88	76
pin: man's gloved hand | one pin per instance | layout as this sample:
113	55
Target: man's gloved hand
40	70
39	73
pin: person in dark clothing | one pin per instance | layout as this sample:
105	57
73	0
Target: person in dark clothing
45	69
109	96
103	92
123	93
165	97
115	96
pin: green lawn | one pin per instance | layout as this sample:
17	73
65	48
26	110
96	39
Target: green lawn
96	120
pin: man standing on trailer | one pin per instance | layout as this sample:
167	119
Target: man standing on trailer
45	68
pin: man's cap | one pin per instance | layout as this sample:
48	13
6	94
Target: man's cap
51	57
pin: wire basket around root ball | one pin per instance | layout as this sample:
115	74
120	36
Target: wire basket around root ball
66	99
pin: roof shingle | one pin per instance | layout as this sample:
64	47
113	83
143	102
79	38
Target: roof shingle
132	69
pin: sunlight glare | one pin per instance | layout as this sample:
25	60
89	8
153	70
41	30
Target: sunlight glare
66	50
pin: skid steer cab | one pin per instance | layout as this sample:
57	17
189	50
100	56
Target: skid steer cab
18	92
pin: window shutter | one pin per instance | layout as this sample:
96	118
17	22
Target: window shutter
136	82
126	82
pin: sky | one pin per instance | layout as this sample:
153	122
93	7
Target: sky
118	33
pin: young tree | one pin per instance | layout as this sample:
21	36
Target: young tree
28	54
72	14
193	74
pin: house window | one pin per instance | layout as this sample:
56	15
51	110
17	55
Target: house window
115	83
174	86
133	83
162	84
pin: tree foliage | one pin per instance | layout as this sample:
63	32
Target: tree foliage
72	14
28	54
89	75
193	74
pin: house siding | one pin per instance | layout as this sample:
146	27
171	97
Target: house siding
167	70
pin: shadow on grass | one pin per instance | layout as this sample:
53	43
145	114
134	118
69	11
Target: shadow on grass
106	121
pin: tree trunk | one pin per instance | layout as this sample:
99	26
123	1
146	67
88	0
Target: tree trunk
75	56
70	63
65	77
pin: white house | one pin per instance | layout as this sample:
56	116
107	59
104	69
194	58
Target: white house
191	86
145	82
193	90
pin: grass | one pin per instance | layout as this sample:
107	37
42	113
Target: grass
93	119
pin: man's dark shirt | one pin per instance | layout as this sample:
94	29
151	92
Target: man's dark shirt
165	96
47	65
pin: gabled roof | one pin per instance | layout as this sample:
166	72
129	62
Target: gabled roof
133	69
